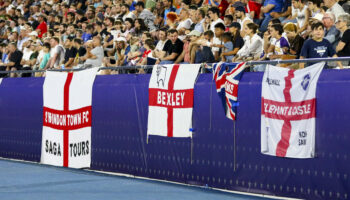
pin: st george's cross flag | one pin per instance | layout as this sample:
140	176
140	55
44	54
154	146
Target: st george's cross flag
171	100
66	135
288	111
227	77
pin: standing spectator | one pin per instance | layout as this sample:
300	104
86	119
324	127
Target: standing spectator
334	7
42	28
253	10
285	12
317	47
343	47
172	48
332	34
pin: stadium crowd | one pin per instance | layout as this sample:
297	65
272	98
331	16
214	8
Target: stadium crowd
67	34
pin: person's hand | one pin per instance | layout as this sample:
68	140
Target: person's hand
275	14
266	35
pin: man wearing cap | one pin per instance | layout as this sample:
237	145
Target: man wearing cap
242	18
189	48
42	27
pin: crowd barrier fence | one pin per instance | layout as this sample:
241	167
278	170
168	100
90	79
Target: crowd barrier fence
226	154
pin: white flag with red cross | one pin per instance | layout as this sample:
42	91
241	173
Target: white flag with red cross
288	111
66	136
171	100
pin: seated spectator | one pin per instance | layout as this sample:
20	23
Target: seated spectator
199	20
184	21
237	39
44	59
149	46
162	36
253	44
331	32
189	48
317	47
343	47
268	7
302	15
214	15
94	55
228	19
315	10
295	40
15	57
218	45
56	54
228	47
281	44
88	34
71	53
242	18
172	48
81	51
171	20
334	8
140	27
147	16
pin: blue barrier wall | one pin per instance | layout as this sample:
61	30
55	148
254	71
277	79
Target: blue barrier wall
120	108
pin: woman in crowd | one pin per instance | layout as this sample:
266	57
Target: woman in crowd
237	40
295	40
140	27
343	47
253	46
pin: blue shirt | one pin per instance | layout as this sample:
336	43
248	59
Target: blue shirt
278	6
86	37
171	9
228	47
314	49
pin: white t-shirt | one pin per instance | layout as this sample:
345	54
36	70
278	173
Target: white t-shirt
337	10
160	45
58	49
241	22
98	52
212	25
26	55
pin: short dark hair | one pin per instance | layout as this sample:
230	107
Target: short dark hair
193	7
202	12
47	45
215	10
78	40
278	27
164	30
140	3
209	33
220	26
227	35
171	31
126	6
275	21
316	25
229	17
129	20
56	39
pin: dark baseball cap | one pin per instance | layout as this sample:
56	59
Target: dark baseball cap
235	24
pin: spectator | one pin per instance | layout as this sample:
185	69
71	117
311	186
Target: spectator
218	45
237	39
56	54
331	32
94	55
162	35
140	27
317	47
302	15
168	7
253	46
334	7
81	51
343	47
15	57
315	10
268	7
70	54
199	20
242	18
42	27
285	12
214	15
228	47
281	44
126	12
172	48
184	21
45	58
295	40
144	14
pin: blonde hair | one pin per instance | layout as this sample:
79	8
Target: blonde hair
290	27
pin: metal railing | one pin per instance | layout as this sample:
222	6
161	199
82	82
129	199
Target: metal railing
145	67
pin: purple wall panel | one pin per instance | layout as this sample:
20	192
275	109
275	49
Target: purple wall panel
120	109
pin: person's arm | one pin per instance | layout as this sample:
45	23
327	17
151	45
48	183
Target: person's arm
193	54
340	65
301	65
180	58
340	46
53	60
69	62
172	56
267	8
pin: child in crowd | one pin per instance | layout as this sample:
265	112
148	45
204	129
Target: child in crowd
228	47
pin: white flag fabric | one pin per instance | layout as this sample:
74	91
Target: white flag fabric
66	136
288	111
171	100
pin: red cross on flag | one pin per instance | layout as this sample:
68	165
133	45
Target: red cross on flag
288	111
171	100
66	136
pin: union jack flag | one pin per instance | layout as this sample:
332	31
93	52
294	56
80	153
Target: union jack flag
227	76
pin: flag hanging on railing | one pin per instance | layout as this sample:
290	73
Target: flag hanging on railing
66	136
288	111
171	100
227	77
